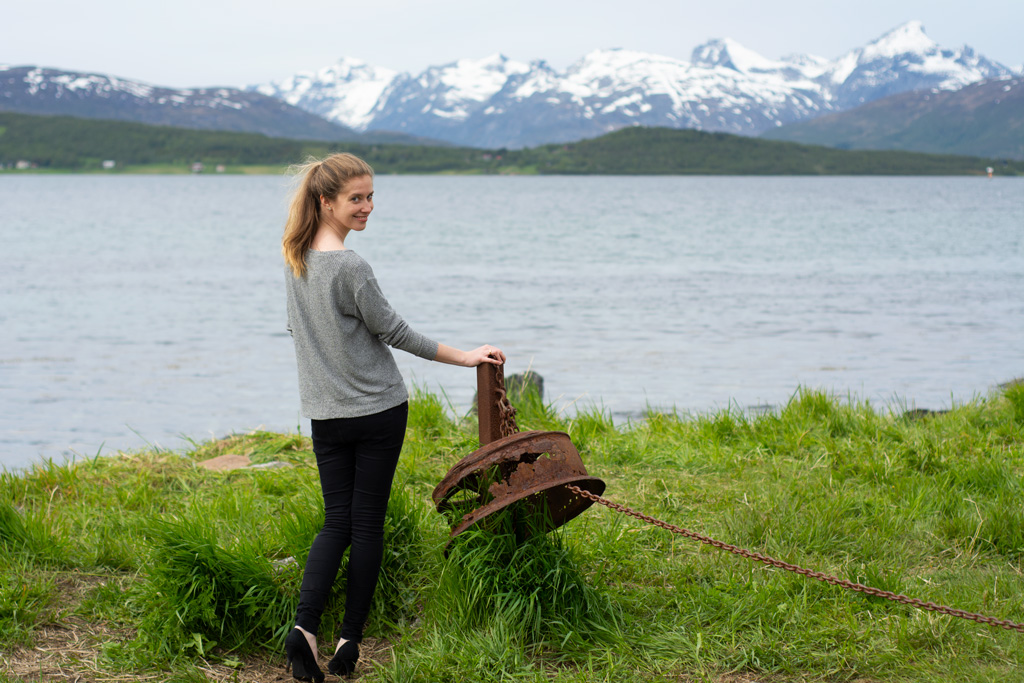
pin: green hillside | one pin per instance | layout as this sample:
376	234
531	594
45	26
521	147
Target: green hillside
67	143
70	144
983	119
668	151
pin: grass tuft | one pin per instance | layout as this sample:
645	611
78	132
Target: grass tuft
28	534
25	599
200	594
536	589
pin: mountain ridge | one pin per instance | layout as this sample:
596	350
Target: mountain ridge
984	118
55	92
498	103
725	87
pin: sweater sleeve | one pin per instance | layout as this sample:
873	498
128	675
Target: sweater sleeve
387	325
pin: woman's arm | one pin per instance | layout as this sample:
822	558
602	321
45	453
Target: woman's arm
469	359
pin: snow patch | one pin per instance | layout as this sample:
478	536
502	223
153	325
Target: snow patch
34	79
730	54
908	38
479	79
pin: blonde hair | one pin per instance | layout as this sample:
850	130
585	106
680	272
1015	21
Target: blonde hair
316	178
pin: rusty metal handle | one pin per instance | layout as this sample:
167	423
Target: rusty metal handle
495	412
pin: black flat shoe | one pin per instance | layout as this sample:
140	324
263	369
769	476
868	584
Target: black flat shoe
344	660
300	658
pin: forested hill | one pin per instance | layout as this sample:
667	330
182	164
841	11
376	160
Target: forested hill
65	143
982	118
669	151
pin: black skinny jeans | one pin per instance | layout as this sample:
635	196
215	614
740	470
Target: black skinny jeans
356	458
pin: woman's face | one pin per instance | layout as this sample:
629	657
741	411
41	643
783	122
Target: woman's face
351	208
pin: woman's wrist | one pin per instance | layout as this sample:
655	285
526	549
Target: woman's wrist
469	359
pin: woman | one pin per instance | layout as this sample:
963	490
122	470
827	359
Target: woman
352	391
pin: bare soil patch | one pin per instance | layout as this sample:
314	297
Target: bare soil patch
70	648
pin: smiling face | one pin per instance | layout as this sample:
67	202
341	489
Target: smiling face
351	208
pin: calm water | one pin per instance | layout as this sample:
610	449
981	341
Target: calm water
140	310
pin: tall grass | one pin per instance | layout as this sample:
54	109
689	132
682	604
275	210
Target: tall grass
200	594
536	588
29	534
25	599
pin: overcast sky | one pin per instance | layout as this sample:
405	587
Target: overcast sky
192	43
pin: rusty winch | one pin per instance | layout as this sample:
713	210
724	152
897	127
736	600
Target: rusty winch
525	473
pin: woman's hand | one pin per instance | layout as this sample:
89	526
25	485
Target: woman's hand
470	359
484	354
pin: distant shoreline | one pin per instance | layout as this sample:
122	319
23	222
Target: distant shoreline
47	144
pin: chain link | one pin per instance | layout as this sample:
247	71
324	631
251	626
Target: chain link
505	410
842	583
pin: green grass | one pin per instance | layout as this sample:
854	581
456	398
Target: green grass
186	569
25	596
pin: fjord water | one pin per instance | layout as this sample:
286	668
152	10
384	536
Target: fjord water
150	309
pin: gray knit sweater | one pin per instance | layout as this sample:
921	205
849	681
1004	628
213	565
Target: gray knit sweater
342	326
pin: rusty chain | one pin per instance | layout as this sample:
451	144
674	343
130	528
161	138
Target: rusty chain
508	427
842	583
508	413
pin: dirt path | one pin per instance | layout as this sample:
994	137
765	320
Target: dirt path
71	652
70	648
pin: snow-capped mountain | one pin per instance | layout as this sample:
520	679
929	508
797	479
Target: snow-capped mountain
443	98
35	90
902	60
347	92
497	102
